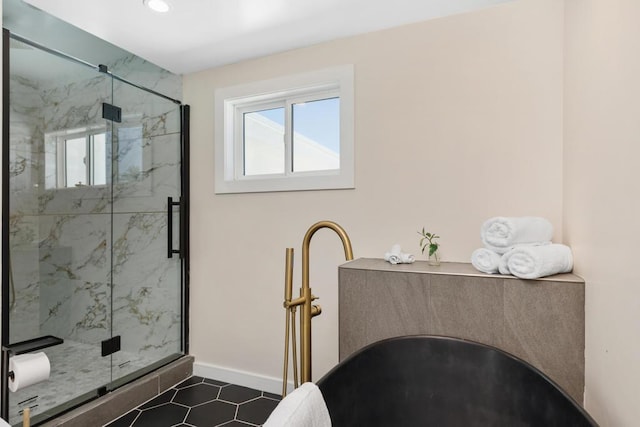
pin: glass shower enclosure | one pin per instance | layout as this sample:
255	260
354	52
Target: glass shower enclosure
95	228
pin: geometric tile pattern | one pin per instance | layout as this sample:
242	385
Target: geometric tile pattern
202	402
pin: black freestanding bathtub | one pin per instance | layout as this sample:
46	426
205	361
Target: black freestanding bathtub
440	381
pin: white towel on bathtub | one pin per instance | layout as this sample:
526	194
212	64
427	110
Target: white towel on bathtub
501	234
533	262
303	407
485	260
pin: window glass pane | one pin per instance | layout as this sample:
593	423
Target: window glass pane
264	142
75	162
316	135
99	166
53	149
130	154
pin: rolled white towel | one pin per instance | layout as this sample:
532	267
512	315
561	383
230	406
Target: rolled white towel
503	268
407	258
304	406
485	260
533	262
392	258
501	234
396	256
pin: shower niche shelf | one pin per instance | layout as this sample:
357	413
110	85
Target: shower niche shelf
34	344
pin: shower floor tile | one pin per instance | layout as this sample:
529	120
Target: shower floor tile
76	368
202	402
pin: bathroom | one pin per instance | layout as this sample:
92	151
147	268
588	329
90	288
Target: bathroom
532	97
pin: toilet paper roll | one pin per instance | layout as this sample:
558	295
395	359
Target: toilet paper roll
28	369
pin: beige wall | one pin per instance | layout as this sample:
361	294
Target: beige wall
601	202
1	103
457	120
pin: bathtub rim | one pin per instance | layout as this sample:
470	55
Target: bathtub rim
513	357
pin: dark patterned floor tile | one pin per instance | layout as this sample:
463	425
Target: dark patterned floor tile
159	400
190	381
256	411
166	415
125	420
212	414
238	394
272	395
235	423
214	382
203	402
197	394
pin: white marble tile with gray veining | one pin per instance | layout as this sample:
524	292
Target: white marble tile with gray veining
156	115
145	296
24	230
24	294
76	200
26	135
159	178
139	71
148	320
76	105
75	276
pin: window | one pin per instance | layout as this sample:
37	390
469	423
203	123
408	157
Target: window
291	133
82	160
82	157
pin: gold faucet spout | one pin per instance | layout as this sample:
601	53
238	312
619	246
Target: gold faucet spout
346	243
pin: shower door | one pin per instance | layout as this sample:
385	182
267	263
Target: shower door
147	173
95	228
58	271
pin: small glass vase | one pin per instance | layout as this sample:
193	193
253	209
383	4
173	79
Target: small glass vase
434	258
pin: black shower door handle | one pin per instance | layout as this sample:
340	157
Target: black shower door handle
170	205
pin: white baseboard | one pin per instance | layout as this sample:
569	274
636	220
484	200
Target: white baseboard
242	378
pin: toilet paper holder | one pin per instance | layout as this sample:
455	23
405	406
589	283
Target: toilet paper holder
22	347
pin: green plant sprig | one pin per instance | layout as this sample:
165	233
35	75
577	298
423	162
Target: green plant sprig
428	241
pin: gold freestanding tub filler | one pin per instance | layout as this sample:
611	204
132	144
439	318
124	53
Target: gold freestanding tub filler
308	311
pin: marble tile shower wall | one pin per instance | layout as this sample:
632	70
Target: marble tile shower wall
27	129
70	245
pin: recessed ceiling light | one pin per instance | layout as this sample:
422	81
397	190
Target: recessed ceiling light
160	6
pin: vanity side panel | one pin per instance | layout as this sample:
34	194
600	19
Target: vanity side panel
375	305
467	307
544	325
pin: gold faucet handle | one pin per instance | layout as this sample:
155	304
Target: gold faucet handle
294	302
316	310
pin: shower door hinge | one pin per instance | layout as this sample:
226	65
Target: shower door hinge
111	345
111	112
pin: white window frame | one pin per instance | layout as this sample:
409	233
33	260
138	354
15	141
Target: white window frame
232	102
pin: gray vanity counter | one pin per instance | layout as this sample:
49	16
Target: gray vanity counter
540	321
448	268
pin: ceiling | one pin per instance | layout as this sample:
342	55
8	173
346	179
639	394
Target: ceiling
200	34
